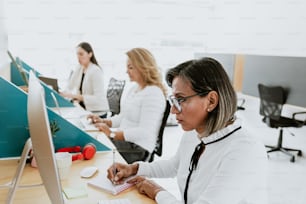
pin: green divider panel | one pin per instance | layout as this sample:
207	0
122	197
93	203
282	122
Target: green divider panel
16	76
14	124
70	135
27	67
18	81
13	119
62	102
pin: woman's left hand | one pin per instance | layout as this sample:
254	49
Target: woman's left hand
147	187
103	127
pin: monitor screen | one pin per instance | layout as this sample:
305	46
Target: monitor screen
42	142
50	82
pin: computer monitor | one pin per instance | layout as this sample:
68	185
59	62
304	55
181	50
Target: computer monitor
42	143
19	68
56	103
50	82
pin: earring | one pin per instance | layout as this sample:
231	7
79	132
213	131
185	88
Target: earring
208	110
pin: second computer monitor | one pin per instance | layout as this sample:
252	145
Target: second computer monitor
42	142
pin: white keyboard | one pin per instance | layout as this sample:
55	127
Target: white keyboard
87	124
83	124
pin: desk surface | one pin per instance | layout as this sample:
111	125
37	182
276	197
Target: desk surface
38	194
33	195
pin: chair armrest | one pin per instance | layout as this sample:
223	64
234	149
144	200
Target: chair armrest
240	107
299	113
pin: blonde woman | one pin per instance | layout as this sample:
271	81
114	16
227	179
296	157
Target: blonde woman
141	111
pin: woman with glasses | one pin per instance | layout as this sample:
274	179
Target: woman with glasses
141	110
218	161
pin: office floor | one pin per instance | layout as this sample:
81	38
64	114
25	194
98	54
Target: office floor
286	180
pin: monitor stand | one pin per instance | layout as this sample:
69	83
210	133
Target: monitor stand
16	179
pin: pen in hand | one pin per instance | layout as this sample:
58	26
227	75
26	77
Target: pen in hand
114	166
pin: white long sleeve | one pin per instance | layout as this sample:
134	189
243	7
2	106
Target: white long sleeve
141	115
231	171
93	87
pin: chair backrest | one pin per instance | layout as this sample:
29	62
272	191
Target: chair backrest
272	99
159	142
114	93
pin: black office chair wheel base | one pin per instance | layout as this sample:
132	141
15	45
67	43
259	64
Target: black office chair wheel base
300	153
292	159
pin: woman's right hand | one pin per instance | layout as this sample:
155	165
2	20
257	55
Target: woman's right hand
67	95
118	172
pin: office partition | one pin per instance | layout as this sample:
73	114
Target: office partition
17	80
289	72
14	128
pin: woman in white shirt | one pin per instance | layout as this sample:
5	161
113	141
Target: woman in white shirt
86	84
141	111
218	161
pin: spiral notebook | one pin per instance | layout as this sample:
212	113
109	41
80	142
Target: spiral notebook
105	184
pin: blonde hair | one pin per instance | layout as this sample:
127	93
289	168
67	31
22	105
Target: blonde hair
145	62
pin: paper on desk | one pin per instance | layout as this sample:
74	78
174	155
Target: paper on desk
105	184
75	192
115	201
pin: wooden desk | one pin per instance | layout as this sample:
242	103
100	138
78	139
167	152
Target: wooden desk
34	195
38	194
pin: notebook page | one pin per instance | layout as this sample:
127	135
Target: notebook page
105	184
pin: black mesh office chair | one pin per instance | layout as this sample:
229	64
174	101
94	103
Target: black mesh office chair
114	93
159	143
272	99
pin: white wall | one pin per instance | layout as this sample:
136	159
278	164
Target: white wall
4	62
45	32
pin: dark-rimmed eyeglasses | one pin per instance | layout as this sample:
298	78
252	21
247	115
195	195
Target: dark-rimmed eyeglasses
176	102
